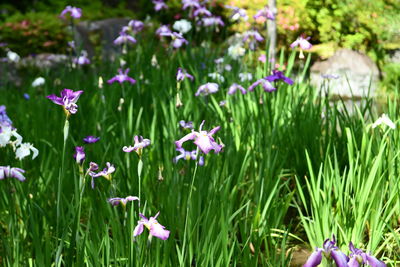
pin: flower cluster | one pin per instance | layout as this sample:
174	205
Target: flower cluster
9	136
332	253
204	141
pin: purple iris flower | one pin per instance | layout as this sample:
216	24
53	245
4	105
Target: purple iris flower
330	76
121	77
265	13
234	87
4	119
202	11
124	38
278	75
190	3
134	26
117	200
155	228
302	42
163	30
91	139
140	143
188	155
159	5
74	12
252	35
181	74
82	59
268	87
177	39
79	155
357	257
202	139
27	96
211	21
206	89
68	100
237	13
186	125
330	251
106	172
9	172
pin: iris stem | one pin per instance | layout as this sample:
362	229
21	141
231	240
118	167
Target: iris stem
187	207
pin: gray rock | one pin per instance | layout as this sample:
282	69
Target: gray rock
394	56
347	74
108	30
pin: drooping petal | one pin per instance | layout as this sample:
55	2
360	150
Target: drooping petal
374	262
314	259
353	263
187	137
159	231
128	149
138	229
339	257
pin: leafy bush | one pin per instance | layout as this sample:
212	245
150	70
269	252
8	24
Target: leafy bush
34	33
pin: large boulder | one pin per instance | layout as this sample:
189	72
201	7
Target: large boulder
347	74
107	29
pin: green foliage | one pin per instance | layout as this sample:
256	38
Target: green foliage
34	33
391	77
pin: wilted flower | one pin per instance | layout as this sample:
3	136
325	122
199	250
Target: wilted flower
182	74
124	38
264	14
8	172
82	59
385	120
183	26
303	43
206	89
190	3
140	143
177	39
186	125
25	150
106	172
117	200
74	12
121	77
216	76
188	155
330	251
134	26
13	57
79	155
155	228
245	76
234	87
202	139
39	81
159	4
236	51
67	100
91	139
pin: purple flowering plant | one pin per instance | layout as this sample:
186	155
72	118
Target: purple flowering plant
267	81
74	12
202	139
154	227
140	143
121	77
67	100
115	201
91	139
10	172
